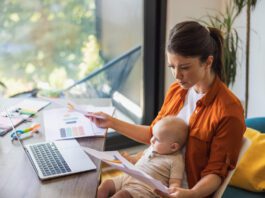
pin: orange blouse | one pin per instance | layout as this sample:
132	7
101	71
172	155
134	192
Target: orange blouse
216	130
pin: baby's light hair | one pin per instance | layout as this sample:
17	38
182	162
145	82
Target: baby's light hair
175	129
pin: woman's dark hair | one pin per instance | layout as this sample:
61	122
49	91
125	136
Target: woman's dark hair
191	39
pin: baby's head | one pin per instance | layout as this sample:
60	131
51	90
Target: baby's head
169	135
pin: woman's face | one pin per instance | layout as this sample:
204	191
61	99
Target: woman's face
188	71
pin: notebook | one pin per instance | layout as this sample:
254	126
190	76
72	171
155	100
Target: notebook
20	112
57	158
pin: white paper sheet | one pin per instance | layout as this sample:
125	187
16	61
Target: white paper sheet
125	166
64	124
32	104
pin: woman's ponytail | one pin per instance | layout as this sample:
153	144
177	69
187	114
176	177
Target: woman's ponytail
218	51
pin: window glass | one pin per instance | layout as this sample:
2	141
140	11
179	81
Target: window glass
50	45
45	44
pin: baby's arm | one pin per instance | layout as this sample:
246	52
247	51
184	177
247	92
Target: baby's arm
132	158
174	183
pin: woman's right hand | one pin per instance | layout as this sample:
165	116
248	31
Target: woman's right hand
101	119
177	192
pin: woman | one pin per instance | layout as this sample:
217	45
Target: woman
214	115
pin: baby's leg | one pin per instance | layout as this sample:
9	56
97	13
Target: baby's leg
122	194
106	189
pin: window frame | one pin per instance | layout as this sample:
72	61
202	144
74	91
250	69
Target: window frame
155	12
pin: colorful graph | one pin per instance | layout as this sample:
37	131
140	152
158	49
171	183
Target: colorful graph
72	129
64	124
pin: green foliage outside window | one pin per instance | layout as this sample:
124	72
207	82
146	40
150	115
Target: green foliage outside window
46	44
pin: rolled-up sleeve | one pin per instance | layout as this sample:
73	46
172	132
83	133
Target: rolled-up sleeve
225	147
172	102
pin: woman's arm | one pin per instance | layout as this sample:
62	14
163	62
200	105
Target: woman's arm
139	133
206	186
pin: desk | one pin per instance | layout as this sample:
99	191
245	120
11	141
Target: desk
18	178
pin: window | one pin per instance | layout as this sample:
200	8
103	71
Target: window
119	31
47	44
71	46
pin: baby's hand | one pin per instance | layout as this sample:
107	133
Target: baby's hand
132	158
127	156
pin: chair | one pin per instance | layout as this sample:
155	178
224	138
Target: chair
102	82
105	80
26	94
245	145
257	123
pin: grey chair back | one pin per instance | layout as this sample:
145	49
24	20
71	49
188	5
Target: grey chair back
104	81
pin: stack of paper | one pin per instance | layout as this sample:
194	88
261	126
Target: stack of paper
31	105
115	160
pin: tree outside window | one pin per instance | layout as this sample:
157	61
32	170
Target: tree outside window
47	44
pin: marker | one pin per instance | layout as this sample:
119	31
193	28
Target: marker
25	136
22	136
26	111
32	129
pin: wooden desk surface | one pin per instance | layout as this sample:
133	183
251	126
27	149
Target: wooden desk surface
18	178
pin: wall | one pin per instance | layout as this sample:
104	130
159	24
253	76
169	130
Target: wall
179	10
257	61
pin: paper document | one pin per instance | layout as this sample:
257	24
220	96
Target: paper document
116	160
72	106
64	124
33	105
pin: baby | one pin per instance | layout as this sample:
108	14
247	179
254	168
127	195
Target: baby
162	160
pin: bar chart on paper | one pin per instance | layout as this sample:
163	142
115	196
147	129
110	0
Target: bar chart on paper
62	124
71	129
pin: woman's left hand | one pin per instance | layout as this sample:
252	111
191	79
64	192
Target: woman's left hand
176	193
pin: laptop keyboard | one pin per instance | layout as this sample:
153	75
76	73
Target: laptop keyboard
49	159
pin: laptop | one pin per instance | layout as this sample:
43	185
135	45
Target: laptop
56	158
